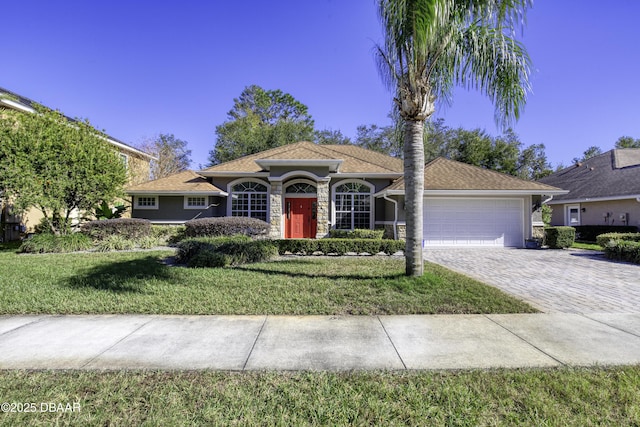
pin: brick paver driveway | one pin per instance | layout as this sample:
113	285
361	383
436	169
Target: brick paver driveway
568	281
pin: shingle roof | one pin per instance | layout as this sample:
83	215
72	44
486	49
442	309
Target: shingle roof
179	183
445	174
355	159
612	174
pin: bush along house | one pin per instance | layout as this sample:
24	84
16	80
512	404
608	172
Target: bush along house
303	190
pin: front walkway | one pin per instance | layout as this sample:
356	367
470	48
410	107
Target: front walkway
565	281
332	343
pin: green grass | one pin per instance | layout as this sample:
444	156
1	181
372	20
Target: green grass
587	246
138	282
550	397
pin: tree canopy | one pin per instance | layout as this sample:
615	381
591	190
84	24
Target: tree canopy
171	152
259	120
430	47
56	166
627	142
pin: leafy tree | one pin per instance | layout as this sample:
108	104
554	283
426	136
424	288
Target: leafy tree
56	165
382	139
588	153
431	46
171	152
533	163
261	119
627	142
330	137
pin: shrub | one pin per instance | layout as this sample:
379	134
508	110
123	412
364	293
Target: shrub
49	243
127	228
339	246
589	233
559	237
608	239
623	251
209	259
226	226
150	242
115	243
168	234
209	252
356	234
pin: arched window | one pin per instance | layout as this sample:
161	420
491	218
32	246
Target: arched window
249	198
301	188
352	206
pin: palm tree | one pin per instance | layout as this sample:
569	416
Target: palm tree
430	47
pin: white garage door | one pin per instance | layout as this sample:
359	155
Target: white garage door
473	222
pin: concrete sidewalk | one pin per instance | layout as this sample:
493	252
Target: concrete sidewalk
332	343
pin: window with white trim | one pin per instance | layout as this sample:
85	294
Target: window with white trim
146	202
301	188
352	206
249	199
195	202
124	159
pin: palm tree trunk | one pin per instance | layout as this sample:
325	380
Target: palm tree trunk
414	194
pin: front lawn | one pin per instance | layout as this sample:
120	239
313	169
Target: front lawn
139	282
535	397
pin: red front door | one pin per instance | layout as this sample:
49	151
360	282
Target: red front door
300	218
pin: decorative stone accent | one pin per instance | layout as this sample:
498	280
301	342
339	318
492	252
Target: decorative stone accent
323	209
275	212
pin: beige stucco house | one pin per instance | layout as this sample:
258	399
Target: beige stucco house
603	190
138	166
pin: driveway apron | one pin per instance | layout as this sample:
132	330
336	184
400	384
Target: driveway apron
553	281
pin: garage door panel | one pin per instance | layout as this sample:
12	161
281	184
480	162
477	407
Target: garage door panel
473	222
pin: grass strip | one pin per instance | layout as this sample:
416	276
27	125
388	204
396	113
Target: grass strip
563	396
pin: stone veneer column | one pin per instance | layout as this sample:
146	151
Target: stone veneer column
275	210
323	209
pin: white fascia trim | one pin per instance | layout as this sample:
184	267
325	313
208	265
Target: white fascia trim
333	164
455	193
491	192
234	174
177	193
16	105
131	149
595	199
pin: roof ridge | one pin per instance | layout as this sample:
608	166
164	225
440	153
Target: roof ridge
376	153
254	157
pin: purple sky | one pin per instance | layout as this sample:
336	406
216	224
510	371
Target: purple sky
139	68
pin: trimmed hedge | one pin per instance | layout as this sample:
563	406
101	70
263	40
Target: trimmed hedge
127	228
589	233
609	239
339	246
623	250
356	234
559	237
226	226
224	251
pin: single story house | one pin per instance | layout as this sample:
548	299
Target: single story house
303	190
603	190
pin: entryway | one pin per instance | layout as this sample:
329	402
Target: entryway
300	218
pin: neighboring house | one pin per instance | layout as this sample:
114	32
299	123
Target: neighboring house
303	190
603	190
138	166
